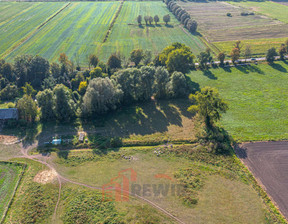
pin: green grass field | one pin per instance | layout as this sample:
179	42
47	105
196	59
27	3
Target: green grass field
268	8
23	23
9	177
259	47
257	99
127	35
79	31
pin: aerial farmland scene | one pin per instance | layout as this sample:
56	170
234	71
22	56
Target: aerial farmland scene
143	112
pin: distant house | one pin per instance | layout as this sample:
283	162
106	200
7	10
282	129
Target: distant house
9	114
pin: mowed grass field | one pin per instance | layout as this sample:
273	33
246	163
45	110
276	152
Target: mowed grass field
9	176
79	31
19	20
259	47
257	98
126	35
217	26
268	8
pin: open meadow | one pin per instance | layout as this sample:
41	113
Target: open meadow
256	96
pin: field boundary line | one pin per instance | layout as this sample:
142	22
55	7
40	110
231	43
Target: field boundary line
29	35
20	176
113	22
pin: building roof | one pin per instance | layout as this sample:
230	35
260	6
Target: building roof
11	113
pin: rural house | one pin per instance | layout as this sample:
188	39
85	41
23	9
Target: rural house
8	114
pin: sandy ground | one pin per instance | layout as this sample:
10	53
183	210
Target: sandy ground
46	176
268	161
6	139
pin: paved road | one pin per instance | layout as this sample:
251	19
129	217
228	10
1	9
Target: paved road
268	161
248	60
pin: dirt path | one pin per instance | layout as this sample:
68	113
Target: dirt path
42	159
268	161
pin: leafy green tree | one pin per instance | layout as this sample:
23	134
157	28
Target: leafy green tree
96	72
101	96
147	57
64	105
271	54
7	71
192	25
114	61
235	55
177	86
208	104
139	20
166	19
45	101
130	81
160	83
204	58
27	108
93	60
156	19
136	56
147	80
221	58
28	90
10	92
180	60
282	52
146	19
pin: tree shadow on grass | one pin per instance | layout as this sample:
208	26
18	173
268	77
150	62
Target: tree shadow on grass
226	69
169	26
278	67
158	25
141	26
193	86
209	74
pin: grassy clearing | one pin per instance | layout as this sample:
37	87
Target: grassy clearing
217	26
257	99
259	47
78	31
269	8
221	182
23	23
9	177
126	35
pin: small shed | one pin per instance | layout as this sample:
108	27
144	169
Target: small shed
81	136
56	141
9	114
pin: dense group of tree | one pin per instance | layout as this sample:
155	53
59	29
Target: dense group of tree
182	15
60	91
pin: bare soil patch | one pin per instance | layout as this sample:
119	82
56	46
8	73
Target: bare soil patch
46	176
268	161
6	139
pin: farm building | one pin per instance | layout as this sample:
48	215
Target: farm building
9	114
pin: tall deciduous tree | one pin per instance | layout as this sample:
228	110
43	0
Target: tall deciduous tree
93	60
136	56
101	96
64	105
156	19
45	101
27	108
271	54
208	104
221	58
166	19
160	84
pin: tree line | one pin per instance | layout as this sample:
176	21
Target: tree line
182	15
150	19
